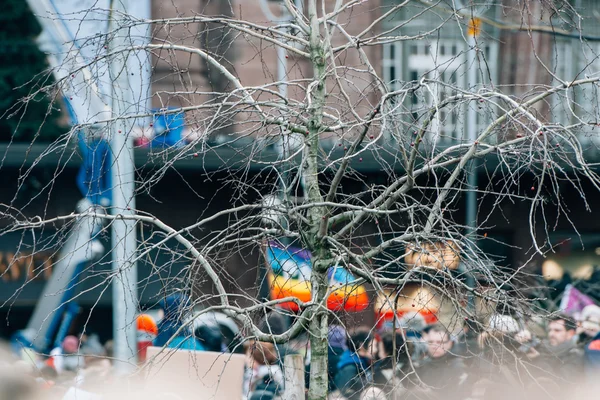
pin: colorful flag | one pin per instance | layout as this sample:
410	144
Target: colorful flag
573	301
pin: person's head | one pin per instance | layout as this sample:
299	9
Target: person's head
273	323
590	320
359	341
392	345
263	353
336	337
412	321
109	348
504	324
175	307
147	330
439	342
70	344
560	329
210	337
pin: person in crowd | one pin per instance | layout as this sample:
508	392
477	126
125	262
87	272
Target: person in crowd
592	359
393	366
263	375
210	337
354	368
413	324
109	349
465	342
171	330
337	346
90	344
66	357
589	324
561	352
147	331
510	356
97	368
442	370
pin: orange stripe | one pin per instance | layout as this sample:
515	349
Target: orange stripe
594	345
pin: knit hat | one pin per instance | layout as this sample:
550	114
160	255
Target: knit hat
412	321
146	328
146	333
590	318
503	324
337	337
175	307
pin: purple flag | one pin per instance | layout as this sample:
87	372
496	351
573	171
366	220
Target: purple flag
573	301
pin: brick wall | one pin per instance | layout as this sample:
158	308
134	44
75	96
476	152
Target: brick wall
253	61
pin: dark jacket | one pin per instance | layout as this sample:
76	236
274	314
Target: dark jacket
394	379
505	365
354	375
334	354
592	360
175	308
565	361
446	374
466	347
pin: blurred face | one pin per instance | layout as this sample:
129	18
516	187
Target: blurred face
368	350
438	344
558	333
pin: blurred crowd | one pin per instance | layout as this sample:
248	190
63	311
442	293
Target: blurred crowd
498	359
505	356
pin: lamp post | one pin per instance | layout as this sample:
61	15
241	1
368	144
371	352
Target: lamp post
285	142
124	284
473	30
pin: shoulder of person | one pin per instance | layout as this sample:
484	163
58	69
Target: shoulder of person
576	351
456	361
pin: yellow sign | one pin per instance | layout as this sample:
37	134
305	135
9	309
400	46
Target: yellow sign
24	265
474	27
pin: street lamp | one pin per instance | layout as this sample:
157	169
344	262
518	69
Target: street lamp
286	144
471	195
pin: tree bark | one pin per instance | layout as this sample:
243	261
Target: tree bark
318	317
318	329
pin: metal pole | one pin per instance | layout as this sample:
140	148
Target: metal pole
471	194
125	301
282	79
471	220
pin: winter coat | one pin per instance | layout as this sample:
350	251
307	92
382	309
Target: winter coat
354	375
174	308
334	355
592	360
565	361
466	347
446	374
263	379
393	380
62	362
416	347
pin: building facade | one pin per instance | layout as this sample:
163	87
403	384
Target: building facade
512	60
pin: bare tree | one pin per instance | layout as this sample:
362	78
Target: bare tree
348	117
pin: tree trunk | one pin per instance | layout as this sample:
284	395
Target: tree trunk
317	215
318	329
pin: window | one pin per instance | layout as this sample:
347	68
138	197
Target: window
432	60
574	59
442	58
